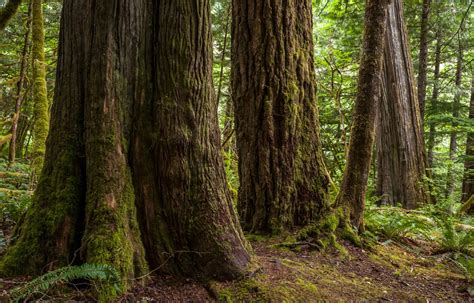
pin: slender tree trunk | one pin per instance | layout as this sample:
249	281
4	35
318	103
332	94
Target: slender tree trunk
354	182
20	86
133	175
40	95
228	131
434	97
400	156
453	144
423	57
224	51
468	182
283	181
7	12
24	126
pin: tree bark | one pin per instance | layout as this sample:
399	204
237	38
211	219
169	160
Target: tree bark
400	155
40	95
434	96
468	181
354	182
181	185
7	12
423	57
453	144
283	182
133	175
19	88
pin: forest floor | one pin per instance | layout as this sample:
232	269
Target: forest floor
392	272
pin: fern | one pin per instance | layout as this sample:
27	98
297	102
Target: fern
393	223
66	274
453	240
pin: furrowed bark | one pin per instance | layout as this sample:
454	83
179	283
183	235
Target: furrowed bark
51	230
400	148
283	181
354	182
179	176
133	175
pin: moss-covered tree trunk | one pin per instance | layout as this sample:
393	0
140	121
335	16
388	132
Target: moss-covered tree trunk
7	12
354	182
179	176
40	95
133	175
400	147
283	181
468	182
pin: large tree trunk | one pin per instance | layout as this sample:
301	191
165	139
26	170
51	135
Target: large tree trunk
133	175
400	148
180	181
453	138
283	181
468	182
423	57
40	95
8	11
354	182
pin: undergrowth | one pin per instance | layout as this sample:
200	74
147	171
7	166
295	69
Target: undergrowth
95	273
448	233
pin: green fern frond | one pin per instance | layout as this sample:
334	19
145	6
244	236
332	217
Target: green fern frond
97	272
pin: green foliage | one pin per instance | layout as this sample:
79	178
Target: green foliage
466	264
451	237
395	223
94	272
14	195
13	205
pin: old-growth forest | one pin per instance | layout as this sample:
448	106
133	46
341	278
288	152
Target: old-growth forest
237	151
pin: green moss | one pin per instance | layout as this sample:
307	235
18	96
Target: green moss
40	95
113	237
37	234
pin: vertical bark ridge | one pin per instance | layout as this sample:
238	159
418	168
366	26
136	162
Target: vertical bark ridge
133	171
183	194
354	182
283	182
400	151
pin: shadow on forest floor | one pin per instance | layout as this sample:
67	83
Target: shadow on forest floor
392	272
384	273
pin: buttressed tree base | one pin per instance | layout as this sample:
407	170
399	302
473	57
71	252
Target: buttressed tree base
133	175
